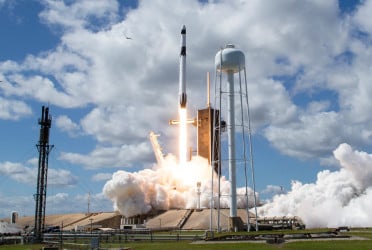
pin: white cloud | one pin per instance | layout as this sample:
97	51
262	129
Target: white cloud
273	189
28	174
61	177
277	109
66	124
310	136
362	17
131	85
18	172
78	14
121	123
111	157
40	88
13	109
101	177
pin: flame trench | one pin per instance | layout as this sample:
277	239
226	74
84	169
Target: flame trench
182	137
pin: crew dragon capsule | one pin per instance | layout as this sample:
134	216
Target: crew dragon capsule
182	79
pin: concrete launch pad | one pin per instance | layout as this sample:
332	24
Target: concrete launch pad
186	219
194	219
78	221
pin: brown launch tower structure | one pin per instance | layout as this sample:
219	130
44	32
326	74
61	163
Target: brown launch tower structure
208	141
208	133
40	197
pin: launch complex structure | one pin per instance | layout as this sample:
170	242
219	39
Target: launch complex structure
42	176
229	64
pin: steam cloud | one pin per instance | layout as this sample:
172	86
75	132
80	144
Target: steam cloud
168	186
340	198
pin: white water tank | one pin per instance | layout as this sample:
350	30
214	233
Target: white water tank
232	59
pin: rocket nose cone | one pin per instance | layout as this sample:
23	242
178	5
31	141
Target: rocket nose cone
183	31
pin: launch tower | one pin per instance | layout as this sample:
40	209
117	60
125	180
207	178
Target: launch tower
44	149
208	140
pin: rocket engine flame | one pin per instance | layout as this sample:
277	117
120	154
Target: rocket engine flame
182	137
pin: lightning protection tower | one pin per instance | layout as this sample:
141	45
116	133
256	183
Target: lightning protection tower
232	101
44	149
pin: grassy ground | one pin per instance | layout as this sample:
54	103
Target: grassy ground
21	247
256	246
183	245
236	246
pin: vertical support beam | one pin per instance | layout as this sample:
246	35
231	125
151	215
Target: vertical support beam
231	142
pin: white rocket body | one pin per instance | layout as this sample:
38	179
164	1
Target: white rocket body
182	79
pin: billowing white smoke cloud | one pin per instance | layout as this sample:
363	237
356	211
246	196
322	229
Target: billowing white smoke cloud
167	186
340	198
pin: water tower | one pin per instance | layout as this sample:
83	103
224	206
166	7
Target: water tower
232	100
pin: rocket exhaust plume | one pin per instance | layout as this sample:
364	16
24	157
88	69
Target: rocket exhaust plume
182	137
338	198
167	186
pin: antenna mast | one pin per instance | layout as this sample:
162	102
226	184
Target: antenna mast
88	203
44	149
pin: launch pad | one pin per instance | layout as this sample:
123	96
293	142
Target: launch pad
228	61
193	219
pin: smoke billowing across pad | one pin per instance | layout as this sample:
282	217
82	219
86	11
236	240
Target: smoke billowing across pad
168	186
338	198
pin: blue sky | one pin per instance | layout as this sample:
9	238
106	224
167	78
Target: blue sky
308	70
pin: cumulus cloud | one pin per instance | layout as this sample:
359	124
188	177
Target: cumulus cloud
78	14
111	157
273	189
362	16
122	79
18	172
61	177
299	137
13	109
101	177
66	124
25	174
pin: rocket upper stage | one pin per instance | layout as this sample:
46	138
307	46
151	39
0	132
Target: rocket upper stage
182	78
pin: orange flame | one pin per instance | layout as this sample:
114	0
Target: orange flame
183	137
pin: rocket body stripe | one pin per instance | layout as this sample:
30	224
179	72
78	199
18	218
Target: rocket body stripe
182	76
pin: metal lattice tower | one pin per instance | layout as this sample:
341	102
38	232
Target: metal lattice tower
44	149
232	101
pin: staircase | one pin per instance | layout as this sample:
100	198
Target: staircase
185	217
